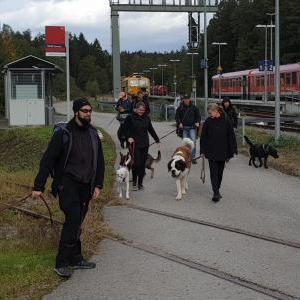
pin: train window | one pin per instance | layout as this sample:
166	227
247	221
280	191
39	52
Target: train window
294	78
288	78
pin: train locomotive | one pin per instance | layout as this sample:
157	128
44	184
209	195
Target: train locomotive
249	84
133	84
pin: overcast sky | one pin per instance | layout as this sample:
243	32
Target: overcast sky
146	31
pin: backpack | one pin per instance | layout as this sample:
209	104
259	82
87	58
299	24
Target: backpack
62	126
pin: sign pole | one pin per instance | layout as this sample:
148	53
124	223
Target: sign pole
68	76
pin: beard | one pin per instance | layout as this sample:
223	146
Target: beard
84	121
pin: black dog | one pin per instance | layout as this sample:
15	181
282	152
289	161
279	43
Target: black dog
151	161
261	151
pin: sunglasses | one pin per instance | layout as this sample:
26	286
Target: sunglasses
86	110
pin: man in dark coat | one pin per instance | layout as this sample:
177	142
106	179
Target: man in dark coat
75	159
188	118
218	145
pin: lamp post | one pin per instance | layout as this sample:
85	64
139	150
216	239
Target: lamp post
162	66
194	87
266	58
271	34
175	77
219	44
153	80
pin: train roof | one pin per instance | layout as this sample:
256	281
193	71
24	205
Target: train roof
283	68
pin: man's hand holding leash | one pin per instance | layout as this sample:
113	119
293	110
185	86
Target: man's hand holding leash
97	193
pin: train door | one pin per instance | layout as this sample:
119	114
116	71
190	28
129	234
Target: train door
244	87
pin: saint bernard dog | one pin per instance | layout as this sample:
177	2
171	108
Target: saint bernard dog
180	164
123	173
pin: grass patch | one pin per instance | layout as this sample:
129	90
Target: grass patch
28	246
288	148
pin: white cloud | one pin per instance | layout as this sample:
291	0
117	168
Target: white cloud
146	31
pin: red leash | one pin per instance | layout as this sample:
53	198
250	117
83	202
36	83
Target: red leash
131	148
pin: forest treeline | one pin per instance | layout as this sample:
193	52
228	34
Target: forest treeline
234	23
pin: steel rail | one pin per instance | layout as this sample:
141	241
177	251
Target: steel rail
274	293
292	244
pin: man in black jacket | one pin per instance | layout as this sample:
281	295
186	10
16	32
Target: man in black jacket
188	118
75	159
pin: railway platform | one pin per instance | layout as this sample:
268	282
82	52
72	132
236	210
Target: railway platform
247	246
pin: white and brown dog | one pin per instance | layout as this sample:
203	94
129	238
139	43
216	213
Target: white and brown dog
180	166
123	173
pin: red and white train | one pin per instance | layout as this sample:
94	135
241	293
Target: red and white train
249	84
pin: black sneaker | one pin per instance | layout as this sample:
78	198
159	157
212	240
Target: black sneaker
194	161
141	188
134	187
64	272
84	264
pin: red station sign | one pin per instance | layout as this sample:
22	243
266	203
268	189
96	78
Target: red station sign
55	41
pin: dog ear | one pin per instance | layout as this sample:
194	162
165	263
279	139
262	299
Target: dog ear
169	165
181	165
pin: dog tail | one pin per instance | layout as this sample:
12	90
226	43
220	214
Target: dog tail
188	142
158	158
248	140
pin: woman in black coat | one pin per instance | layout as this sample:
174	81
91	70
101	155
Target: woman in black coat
137	127
218	145
230	111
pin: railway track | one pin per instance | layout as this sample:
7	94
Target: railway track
237	280
288	128
293	244
265	290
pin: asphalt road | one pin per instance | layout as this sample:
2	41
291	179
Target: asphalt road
257	200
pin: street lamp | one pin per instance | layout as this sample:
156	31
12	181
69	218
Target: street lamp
271	34
153	81
194	91
162	72
175	78
266	57
219	68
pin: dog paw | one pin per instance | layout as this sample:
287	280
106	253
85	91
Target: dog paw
120	196
184	192
178	197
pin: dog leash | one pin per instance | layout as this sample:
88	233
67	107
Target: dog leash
8	206
202	174
164	136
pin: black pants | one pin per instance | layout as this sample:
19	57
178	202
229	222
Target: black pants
216	174
139	166
74	199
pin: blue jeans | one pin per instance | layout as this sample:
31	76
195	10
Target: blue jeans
190	132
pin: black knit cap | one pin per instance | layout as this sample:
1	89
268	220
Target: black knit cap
78	103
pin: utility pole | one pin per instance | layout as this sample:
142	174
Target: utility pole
277	71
